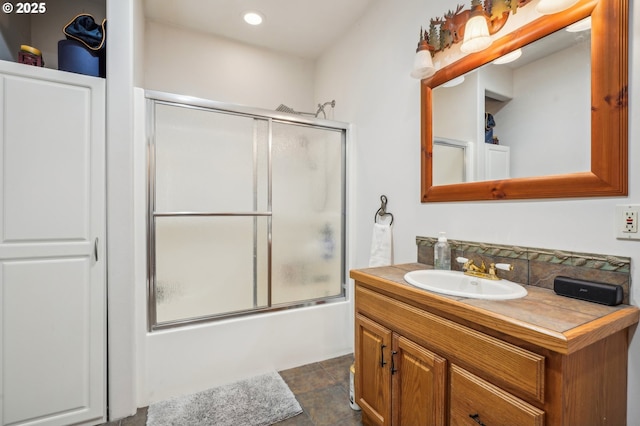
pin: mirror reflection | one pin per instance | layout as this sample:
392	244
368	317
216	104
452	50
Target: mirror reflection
454	159
525	118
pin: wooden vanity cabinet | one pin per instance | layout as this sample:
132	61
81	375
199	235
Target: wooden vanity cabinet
418	365
418	384
401	382
373	374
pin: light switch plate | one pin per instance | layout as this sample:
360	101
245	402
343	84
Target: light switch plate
626	222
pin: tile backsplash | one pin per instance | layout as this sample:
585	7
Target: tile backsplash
535	266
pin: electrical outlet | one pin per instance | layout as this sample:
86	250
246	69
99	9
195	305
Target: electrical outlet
630	221
627	222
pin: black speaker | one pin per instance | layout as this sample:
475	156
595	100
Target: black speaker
591	291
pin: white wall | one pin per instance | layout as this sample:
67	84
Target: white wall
123	16
191	63
383	102
14	31
554	142
453	118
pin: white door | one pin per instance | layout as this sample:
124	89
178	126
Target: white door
52	247
497	159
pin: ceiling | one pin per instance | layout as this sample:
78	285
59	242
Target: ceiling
304	28
549	45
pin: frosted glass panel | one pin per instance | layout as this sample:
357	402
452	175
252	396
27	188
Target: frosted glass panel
450	167
208	161
205	266
307	213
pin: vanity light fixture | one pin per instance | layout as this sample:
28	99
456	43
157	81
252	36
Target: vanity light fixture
472	27
476	32
582	25
475	26
423	63
253	18
509	57
549	7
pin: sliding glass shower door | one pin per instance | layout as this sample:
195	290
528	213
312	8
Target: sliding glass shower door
307	206
246	212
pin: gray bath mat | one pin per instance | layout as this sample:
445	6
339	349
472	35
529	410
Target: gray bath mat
260	400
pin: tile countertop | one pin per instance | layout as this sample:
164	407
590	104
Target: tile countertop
543	318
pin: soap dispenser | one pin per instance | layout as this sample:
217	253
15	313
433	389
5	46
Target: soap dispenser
442	253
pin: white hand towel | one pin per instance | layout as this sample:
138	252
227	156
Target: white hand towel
381	245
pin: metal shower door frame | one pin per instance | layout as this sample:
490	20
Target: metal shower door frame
154	98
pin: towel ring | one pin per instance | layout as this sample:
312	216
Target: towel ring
382	211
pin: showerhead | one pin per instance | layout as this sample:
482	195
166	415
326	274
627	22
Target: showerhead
284	108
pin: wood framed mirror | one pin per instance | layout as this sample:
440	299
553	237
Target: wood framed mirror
609	111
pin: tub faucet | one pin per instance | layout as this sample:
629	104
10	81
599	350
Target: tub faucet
470	268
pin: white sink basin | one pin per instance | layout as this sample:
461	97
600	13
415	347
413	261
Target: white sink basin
456	283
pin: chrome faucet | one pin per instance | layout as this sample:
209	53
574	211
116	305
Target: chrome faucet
470	268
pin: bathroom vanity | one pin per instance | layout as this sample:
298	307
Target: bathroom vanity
426	358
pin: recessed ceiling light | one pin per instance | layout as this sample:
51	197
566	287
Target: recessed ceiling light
253	18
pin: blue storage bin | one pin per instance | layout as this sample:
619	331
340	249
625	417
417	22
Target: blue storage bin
75	57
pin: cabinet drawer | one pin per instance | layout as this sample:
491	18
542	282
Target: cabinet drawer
506	365
475	401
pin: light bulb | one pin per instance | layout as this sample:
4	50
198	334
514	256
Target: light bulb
476	35
253	18
423	65
549	7
509	57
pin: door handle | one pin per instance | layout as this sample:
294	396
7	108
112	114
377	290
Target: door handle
95	249
476	418
393	362
382	361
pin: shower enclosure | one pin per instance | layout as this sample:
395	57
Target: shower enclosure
246	210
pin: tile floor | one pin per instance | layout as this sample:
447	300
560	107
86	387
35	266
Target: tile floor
321	388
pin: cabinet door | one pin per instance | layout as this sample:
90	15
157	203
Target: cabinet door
52	265
373	370
419	384
475	401
496	159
